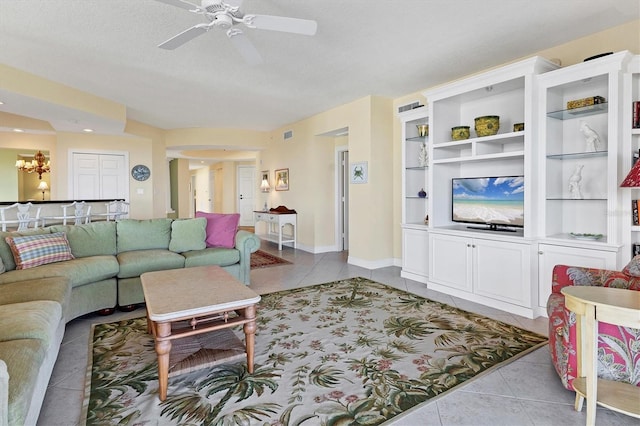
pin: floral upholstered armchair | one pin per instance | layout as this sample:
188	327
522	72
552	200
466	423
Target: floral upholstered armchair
618	347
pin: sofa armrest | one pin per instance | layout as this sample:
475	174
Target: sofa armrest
564	275
246	243
4	394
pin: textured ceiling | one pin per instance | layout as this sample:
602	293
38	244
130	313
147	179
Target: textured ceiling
376	47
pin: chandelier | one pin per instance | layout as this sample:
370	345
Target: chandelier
39	164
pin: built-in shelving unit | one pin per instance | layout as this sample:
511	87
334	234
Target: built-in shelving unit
414	206
582	163
631	145
493	268
575	213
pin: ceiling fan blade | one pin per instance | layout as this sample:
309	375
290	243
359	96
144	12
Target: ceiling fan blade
233	3
181	4
184	37
244	46
281	23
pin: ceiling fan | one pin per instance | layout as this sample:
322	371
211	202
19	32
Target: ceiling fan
226	14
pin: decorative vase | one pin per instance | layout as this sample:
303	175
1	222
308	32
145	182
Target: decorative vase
423	130
422	193
459	133
487	125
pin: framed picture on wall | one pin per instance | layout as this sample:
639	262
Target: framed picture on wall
359	172
282	180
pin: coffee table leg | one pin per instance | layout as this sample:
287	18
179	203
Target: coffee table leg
249	333
163	347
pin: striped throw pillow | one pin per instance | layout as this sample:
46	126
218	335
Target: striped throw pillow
35	250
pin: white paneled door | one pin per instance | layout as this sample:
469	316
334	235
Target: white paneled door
99	176
247	185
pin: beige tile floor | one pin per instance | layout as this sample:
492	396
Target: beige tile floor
524	392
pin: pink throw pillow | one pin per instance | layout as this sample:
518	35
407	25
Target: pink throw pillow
221	229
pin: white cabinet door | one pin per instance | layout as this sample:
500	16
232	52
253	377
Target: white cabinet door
450	261
99	176
502	271
415	252
550	255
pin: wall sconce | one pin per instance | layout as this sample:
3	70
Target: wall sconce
264	186
39	164
43	187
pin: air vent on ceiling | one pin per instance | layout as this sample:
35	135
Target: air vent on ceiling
288	134
410	106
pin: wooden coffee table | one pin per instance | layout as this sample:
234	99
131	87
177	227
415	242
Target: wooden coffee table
208	297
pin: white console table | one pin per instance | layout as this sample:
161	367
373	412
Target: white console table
275	222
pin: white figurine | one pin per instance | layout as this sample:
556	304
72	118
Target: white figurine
574	183
423	157
593	140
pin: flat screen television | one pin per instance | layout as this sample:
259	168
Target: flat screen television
497	203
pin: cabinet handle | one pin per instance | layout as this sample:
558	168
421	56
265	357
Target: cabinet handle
468	245
540	252
474	246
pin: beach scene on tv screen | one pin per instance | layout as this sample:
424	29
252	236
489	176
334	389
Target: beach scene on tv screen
494	200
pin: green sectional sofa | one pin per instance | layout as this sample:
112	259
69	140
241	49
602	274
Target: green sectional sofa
107	259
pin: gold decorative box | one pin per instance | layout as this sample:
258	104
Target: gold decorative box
579	103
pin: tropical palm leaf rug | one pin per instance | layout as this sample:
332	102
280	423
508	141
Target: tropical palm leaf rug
347	352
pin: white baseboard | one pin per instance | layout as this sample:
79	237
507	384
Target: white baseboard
370	264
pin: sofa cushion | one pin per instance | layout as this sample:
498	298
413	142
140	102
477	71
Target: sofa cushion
188	234
221	228
91	239
35	250
147	234
57	289
211	256
135	263
1	266
23	358
5	251
79	272
37	319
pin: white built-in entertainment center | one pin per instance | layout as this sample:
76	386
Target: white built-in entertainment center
572	162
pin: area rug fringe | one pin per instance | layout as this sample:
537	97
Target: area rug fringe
350	351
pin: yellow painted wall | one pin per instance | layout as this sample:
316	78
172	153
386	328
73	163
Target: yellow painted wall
138	149
310	158
159	164
216	138
31	85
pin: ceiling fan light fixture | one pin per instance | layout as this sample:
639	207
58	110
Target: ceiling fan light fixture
223	21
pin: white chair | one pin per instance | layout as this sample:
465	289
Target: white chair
79	215
22	218
118	209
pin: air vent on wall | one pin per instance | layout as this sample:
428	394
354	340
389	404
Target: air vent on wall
410	106
288	134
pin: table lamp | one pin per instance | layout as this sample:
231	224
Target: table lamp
43	187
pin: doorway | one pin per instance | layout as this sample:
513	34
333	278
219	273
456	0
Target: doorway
342	198
246	193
